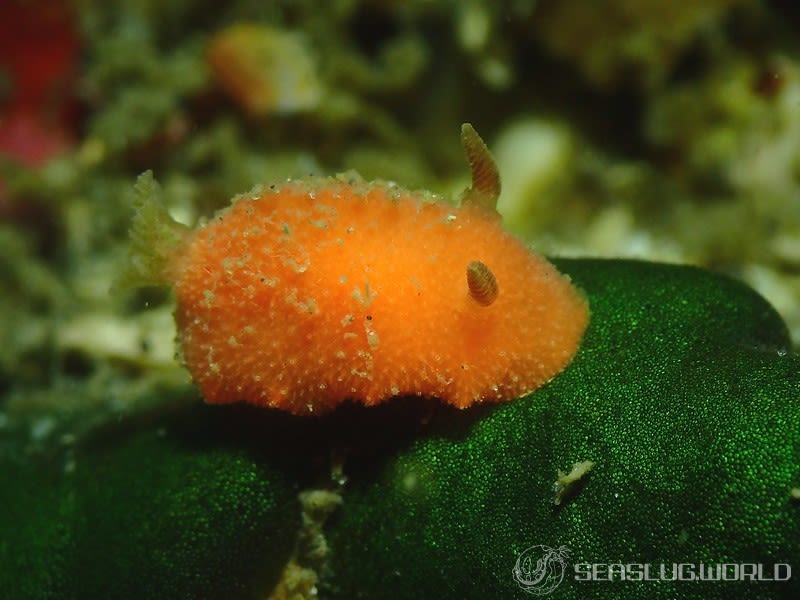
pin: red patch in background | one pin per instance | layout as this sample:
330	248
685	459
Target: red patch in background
39	50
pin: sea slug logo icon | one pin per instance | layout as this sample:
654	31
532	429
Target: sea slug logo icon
540	569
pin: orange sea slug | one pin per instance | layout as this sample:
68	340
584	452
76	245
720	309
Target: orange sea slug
305	294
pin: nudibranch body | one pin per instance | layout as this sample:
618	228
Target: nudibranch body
303	295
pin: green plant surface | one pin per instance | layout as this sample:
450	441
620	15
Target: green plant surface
684	394
685	398
165	508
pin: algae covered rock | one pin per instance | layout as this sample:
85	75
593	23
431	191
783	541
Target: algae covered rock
684	397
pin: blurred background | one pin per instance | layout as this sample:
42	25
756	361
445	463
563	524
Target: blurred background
659	130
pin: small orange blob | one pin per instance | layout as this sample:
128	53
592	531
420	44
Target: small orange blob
265	70
303	295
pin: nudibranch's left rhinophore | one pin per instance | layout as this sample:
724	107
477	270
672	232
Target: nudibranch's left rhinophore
305	294
482	283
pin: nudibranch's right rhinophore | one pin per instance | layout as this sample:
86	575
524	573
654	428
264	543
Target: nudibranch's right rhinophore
307	293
